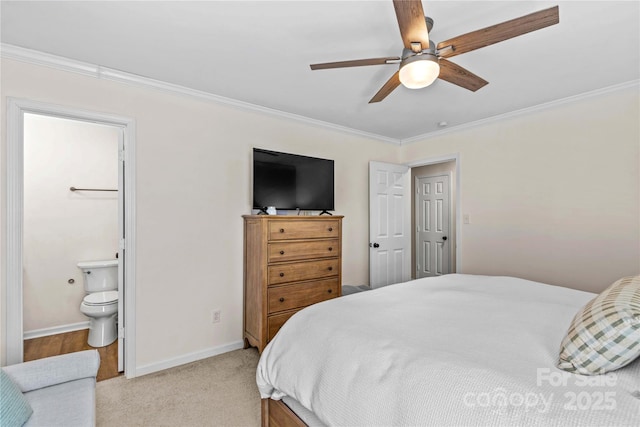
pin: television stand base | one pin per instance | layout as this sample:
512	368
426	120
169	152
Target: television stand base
325	212
263	211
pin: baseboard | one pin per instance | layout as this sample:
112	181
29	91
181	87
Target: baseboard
45	332
188	358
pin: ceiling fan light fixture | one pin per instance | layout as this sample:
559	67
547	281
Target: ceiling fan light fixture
419	71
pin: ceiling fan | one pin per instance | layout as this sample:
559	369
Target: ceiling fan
422	62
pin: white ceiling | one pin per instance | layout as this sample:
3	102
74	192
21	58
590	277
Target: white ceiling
259	53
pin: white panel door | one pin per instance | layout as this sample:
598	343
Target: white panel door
389	224
121	266
432	226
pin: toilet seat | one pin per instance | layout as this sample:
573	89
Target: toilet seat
101	298
97	264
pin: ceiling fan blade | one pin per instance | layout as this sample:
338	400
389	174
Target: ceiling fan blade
413	27
499	32
388	87
453	73
355	63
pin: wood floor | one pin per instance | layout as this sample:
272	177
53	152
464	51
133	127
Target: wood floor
70	342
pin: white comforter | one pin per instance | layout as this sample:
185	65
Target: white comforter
451	350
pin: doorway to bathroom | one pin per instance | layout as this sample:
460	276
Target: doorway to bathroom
69	200
71	206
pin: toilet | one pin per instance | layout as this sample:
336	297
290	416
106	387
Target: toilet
101	302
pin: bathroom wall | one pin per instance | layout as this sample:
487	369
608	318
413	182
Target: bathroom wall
62	227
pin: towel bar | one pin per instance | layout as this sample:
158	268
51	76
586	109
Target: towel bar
89	189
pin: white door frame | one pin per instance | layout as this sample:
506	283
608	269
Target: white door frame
458	215
12	306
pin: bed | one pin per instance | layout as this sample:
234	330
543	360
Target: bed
449	350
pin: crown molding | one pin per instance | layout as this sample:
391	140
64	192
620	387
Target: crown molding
65	64
524	111
46	59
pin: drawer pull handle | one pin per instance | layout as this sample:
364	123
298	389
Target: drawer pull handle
329	291
330	228
330	268
281	274
281	252
282	230
282	299
330	248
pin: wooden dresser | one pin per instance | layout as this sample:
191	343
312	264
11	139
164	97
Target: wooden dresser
290	262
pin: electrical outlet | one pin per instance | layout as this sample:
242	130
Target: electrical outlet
215	316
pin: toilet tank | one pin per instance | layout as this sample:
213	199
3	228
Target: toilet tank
99	276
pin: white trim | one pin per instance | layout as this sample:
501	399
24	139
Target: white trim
40	58
13	324
458	216
522	112
31	56
12	252
189	358
133	79
130	248
434	160
61	63
63	329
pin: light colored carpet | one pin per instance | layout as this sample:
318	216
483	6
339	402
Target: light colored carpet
218	391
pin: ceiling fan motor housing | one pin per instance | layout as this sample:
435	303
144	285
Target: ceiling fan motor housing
407	53
429	23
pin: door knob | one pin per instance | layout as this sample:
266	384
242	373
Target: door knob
375	245
444	237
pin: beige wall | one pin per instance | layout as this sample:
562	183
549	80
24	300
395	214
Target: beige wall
62	227
193	185
552	196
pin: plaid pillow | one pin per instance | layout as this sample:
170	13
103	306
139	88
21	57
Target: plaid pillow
605	334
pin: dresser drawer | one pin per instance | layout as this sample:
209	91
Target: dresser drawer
274	323
300	295
287	230
299	271
293	251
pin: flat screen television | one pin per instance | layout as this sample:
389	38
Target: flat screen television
290	181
